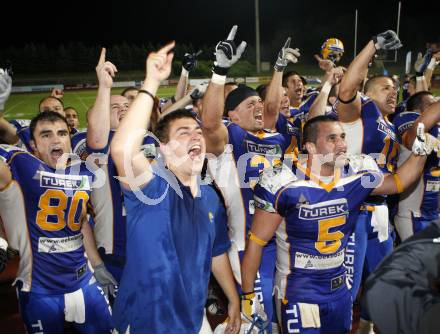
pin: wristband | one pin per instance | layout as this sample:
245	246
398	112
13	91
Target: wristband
256	239
348	101
148	93
184	73
218	79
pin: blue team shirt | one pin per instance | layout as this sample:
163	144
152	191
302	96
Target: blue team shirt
253	152
56	204
431	172
170	246
318	219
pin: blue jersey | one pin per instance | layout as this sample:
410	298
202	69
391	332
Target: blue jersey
428	201
318	219
253	152
374	135
170	246
50	207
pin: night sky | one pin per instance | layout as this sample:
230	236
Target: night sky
207	21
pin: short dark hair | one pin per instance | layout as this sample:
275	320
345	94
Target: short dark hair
288	74
163	126
73	108
47	98
371	81
262	90
129	89
415	101
310	130
46	116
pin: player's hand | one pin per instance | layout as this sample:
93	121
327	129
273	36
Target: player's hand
387	40
234	319
159	63
3	254
57	92
424	143
324	64
5	87
198	91
227	53
190	60
251	307
335	75
106	280
422	62
286	55
105	71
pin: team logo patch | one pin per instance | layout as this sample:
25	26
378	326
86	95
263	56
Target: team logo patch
211	217
327	209
263	149
383	127
63	181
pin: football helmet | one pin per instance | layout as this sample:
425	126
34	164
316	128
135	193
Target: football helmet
332	49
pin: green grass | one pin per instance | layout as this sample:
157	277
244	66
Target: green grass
25	105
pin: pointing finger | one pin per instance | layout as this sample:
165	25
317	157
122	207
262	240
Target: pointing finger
102	57
232	33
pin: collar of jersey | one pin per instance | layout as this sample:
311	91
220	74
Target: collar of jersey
315	178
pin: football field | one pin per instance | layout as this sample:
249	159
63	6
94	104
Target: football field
25	105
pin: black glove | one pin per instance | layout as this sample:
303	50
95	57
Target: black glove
387	40
190	60
3	254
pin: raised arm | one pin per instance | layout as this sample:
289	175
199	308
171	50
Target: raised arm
275	88
431	68
349	106
98	117
214	131
126	144
8	133
430	117
318	106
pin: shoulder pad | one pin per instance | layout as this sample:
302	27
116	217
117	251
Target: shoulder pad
273	179
362	163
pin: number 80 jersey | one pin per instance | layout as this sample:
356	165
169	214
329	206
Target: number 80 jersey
43	210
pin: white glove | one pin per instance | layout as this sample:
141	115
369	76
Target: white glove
227	53
5	88
285	55
106	280
198	91
424	143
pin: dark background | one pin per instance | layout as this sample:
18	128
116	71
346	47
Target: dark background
68	34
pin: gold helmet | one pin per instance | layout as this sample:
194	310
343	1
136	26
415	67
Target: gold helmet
332	49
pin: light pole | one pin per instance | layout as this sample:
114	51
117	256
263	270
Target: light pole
257	36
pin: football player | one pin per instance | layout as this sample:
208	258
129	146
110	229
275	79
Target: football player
43	201
313	214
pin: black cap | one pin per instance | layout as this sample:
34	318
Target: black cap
237	96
